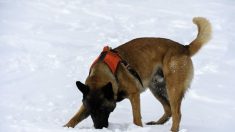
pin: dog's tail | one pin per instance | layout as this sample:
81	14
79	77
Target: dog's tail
203	36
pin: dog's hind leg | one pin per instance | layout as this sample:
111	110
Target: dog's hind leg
158	89
175	93
178	71
78	117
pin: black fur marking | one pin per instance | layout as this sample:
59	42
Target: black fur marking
158	85
120	96
108	91
83	88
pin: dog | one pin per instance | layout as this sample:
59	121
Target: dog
162	65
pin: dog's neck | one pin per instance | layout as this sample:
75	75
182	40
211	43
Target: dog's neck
100	75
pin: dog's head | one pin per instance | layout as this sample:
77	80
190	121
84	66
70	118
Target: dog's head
99	103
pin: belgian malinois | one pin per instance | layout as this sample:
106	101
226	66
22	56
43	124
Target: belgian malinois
162	65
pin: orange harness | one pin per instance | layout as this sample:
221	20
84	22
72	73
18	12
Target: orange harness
113	59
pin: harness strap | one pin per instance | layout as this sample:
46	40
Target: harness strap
113	59
132	71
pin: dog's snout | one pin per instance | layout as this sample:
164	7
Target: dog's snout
100	126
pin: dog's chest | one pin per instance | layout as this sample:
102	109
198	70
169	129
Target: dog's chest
121	95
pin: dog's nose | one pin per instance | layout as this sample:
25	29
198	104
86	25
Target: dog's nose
100	126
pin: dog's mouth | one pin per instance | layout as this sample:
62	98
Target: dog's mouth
100	121
100	126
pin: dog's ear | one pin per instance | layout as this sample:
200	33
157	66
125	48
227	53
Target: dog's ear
108	91
82	87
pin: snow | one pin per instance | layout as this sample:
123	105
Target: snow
46	45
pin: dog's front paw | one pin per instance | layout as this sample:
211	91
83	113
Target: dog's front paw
138	123
72	123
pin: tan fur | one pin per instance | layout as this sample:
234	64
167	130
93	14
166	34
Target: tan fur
97	79
78	117
146	55
204	34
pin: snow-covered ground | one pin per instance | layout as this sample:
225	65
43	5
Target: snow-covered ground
46	45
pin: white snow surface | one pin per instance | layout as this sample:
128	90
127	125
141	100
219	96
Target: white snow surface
46	45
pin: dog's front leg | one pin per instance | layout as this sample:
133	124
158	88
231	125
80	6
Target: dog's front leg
135	103
78	117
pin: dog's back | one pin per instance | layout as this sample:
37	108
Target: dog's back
147	54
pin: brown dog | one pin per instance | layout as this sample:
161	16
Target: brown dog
162	65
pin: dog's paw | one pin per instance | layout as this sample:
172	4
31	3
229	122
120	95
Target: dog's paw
161	121
68	125
152	123
156	122
71	123
138	123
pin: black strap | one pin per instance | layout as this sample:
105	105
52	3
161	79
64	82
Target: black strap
132	71
129	68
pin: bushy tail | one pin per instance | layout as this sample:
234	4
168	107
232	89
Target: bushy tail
203	36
